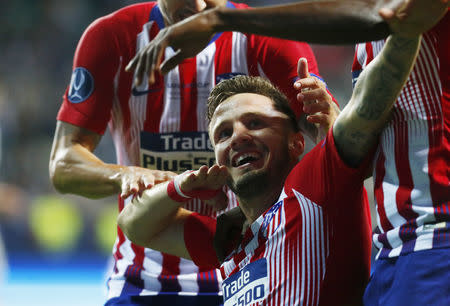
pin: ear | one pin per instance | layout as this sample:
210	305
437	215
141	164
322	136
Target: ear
296	145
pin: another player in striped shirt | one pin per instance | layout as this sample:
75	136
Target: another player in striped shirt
412	180
306	218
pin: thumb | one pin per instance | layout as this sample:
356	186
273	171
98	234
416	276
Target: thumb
302	68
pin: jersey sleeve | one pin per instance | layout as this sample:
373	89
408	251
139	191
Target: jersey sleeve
325	178
87	101
199	233
277	60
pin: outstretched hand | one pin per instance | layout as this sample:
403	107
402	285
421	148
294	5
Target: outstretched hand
134	180
213	178
187	38
411	18
316	100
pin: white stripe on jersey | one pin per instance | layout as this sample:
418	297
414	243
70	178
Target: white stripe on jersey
206	81
239	54
312	232
170	119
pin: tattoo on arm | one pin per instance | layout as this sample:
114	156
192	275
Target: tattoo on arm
385	78
361	122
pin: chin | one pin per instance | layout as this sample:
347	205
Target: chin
249	183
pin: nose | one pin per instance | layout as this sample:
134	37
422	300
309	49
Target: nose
241	136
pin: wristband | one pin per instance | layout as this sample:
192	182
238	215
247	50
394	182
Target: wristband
175	193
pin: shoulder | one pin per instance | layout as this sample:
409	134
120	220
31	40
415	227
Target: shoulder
323	176
124	19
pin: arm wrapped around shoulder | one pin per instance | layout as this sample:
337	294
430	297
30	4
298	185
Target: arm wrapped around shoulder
198	237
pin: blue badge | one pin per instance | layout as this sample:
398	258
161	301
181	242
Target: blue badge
81	85
226	76
355	76
269	216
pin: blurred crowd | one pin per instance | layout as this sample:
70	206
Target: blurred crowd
37	42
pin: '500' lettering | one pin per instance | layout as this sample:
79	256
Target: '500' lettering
250	296
247	286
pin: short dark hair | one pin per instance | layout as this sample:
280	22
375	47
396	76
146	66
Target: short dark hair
248	84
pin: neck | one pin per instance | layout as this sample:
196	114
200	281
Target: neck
255	206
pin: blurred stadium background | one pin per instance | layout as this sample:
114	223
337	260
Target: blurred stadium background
56	248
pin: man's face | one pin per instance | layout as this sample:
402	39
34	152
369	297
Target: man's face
177	10
254	141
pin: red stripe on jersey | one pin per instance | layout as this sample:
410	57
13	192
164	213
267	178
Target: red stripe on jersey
438	143
369	53
224	45
356	66
188	93
402	163
378	191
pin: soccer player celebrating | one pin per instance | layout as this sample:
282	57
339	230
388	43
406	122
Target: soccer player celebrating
299	247
157	130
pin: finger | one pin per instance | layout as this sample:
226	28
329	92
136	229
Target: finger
315	94
132	64
125	190
317	107
172	62
153	65
202	172
139	70
148	181
213	171
318	118
309	83
148	68
302	68
134	187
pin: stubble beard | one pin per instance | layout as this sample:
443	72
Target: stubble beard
250	184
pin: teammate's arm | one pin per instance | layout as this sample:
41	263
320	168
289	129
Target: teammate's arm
74	168
357	128
327	21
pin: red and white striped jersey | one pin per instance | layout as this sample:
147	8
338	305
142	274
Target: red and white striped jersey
163	126
312	247
411	172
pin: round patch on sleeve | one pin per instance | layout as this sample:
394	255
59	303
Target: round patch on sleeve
81	85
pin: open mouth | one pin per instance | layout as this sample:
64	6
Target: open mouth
245	158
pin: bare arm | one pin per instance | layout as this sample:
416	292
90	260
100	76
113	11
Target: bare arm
74	168
357	128
328	21
156	220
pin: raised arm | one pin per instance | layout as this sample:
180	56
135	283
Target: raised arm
327	22
357	128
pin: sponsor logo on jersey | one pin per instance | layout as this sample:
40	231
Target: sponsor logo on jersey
248	286
81	85
135	92
269	216
226	76
176	152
